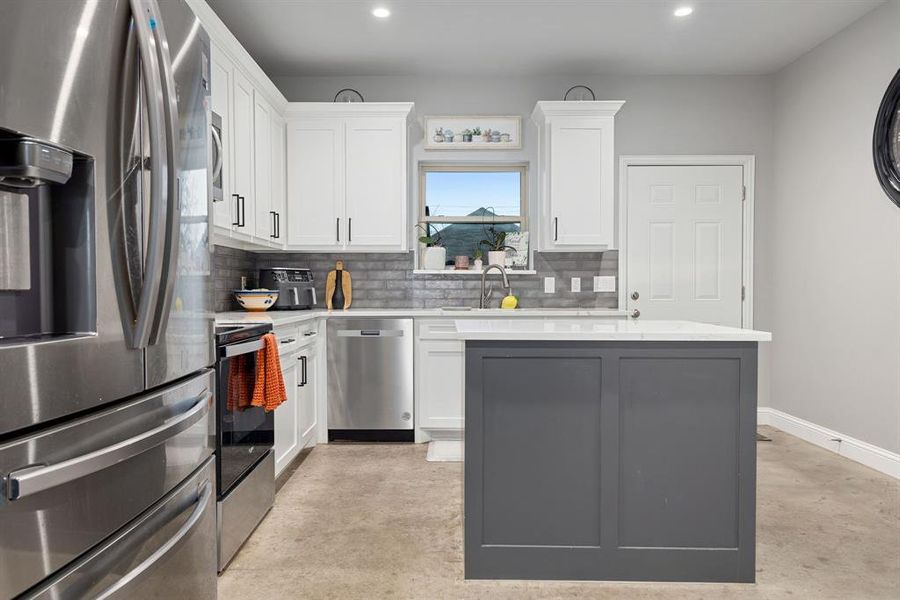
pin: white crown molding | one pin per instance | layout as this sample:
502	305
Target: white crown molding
545	110
225	40
872	456
349	109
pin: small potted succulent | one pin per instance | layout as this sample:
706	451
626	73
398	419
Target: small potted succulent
438	135
476	134
477	255
467	135
434	256
486	135
496	246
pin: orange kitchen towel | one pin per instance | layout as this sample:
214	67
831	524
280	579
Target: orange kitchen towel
239	376
268	392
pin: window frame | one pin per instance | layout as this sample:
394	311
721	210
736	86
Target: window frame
481	167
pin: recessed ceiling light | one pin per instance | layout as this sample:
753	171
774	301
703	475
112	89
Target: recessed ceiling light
683	11
381	12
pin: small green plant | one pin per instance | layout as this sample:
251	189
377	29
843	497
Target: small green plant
495	241
478	254
476	131
430	240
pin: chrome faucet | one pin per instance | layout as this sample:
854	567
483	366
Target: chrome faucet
485	296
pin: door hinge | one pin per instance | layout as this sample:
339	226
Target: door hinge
743	293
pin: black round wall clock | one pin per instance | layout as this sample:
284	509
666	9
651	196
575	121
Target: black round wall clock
886	142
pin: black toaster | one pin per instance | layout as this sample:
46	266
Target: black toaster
296	290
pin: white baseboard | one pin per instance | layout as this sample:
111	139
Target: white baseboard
872	456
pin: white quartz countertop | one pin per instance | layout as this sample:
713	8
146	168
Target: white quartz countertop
561	329
287	317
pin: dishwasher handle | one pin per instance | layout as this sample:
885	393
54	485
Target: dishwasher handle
370	333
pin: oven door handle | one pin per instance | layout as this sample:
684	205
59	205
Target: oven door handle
245	348
202	500
34	479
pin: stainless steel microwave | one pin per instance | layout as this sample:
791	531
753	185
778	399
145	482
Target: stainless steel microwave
215	132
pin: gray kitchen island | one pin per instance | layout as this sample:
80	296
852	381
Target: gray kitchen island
601	449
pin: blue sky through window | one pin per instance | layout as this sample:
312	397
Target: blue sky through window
462	193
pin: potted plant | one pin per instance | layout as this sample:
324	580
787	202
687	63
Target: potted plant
486	135
434	257
467	135
477	256
476	134
496	246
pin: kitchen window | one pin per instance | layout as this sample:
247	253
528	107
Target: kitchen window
460	202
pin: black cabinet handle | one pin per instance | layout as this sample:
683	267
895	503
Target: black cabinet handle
303	378
338	226
555	228
350	229
237	209
277	226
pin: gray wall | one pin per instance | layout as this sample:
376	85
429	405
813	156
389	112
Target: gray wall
387	280
662	115
835	239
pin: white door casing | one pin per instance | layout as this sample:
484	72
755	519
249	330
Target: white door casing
685	227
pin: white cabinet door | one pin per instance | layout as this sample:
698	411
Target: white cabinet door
308	412
582	194
376	183
242	152
220	103
264	229
440	368
315	205
287	438
279	182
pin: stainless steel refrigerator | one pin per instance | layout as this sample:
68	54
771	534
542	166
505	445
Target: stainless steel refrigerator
106	326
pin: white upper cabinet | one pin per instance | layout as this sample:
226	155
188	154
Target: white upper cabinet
279	176
576	165
264	224
376	182
315	183
220	103
347	177
242	153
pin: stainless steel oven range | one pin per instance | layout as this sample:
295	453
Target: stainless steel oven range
245	436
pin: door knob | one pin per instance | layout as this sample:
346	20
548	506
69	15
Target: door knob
635	313
635	295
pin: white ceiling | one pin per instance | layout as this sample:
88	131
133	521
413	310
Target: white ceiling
496	37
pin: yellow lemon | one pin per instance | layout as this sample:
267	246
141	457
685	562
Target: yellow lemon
509	302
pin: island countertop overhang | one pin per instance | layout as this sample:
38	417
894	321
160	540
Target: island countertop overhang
593	329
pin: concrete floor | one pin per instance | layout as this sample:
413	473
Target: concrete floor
378	521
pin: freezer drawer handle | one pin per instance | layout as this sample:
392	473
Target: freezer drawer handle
31	480
202	501
370	333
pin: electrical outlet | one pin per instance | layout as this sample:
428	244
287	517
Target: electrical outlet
604	283
549	285
576	284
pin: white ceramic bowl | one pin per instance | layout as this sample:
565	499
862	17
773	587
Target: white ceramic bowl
256	300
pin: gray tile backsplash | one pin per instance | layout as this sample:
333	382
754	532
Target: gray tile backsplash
388	281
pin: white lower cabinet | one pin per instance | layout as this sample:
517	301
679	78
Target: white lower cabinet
440	385
307	418
287	434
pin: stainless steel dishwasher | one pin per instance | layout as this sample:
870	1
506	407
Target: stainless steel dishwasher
370	379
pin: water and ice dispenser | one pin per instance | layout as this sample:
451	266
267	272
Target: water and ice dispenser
47	263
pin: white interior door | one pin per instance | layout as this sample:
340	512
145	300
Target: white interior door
685	245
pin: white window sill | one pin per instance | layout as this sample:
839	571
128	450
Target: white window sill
469	273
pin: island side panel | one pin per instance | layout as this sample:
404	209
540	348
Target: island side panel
610	460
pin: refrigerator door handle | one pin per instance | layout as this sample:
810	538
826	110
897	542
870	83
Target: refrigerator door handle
145	20
169	266
31	480
201	503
